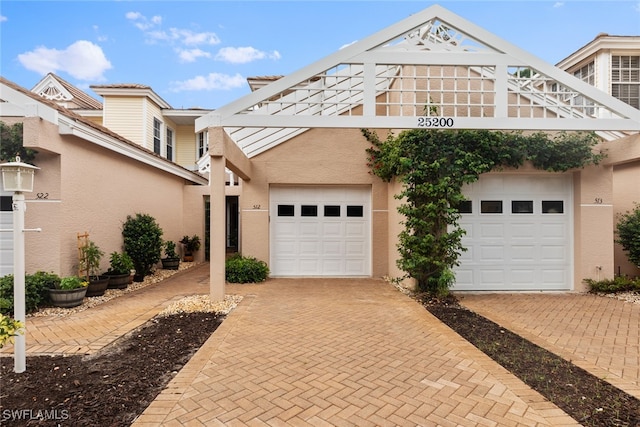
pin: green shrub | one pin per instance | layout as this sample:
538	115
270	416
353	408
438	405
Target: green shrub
142	242
239	269
36	290
120	263
9	328
611	286
628	234
72	282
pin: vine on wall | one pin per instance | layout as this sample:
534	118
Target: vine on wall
433	165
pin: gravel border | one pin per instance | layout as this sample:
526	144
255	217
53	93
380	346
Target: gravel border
187	304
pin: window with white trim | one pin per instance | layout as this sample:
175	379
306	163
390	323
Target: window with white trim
169	144
157	132
625	79
203	143
588	75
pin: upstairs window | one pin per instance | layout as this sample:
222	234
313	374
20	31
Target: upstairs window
169	144
157	131
625	79
203	145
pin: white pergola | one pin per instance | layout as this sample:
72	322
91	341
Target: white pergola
434	69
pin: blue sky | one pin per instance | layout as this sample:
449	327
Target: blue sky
199	53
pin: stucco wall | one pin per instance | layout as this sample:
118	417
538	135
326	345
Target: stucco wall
317	157
93	189
626	196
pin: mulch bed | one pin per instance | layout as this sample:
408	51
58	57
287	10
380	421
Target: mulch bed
586	398
110	388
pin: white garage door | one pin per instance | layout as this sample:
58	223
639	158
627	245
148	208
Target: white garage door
519	234
320	231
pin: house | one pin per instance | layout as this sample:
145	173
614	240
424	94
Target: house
90	179
306	202
309	206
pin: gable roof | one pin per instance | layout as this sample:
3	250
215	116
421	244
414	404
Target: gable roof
15	101
433	62
55	88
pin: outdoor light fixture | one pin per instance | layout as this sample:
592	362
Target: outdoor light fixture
17	177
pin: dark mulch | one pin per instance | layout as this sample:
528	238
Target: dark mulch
108	389
586	398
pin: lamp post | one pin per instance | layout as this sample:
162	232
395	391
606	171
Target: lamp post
18	178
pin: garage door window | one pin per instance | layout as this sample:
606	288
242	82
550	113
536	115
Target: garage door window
286	210
491	206
309	210
465	207
355	211
5	204
332	210
552	206
522	206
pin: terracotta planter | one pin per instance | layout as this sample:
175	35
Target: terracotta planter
170	263
67	298
119	281
188	258
97	286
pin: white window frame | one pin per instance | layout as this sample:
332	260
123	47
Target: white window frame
170	144
157	136
625	78
202	143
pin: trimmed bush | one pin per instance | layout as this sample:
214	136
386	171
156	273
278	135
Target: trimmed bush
611	286
142	242
628	234
241	269
36	291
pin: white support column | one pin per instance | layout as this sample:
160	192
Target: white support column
217	177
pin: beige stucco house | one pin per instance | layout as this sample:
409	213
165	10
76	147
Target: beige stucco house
307	204
90	179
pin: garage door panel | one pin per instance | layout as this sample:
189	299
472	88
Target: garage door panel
522	253
492	253
332	248
491	231
557	253
355	229
308	248
286	247
357	249
521	276
309	230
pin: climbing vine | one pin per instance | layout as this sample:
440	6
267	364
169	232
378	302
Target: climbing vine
433	166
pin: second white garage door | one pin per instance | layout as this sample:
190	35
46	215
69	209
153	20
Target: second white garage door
320	231
519	234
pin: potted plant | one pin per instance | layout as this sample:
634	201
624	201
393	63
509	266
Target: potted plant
69	292
191	245
120	266
90	257
172	261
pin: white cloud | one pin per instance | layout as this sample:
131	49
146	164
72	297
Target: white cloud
142	22
637	7
190	55
242	55
558	4
179	35
212	81
82	60
3	18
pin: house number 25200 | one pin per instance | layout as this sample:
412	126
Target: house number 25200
435	122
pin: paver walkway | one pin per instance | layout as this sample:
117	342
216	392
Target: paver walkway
342	352
599	334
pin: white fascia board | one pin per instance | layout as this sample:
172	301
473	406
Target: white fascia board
68	126
24	106
436	58
137	92
398	122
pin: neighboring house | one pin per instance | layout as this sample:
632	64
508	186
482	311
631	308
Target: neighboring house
612	64
90	179
310	207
